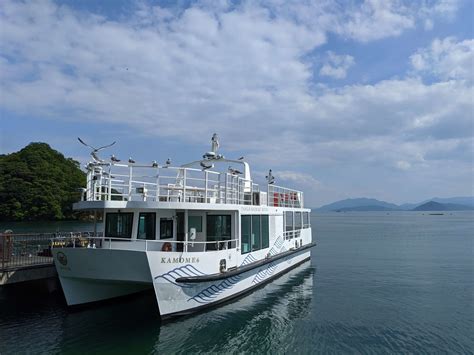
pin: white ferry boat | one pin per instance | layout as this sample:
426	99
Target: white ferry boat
198	235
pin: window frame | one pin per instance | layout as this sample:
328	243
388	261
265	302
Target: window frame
264	234
107	221
153	214
168	221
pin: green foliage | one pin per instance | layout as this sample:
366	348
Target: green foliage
38	183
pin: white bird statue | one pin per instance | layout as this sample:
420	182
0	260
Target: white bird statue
95	150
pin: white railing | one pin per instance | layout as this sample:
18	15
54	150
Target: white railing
282	197
142	244
126	182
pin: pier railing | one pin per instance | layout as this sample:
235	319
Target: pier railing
31	249
133	182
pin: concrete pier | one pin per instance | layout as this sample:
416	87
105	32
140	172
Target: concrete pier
27	273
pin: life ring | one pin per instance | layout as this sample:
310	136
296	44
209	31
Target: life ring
167	247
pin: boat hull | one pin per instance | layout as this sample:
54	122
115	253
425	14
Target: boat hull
175	298
91	275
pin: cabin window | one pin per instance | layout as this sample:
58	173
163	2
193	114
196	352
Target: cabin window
298	221
289	226
166	228
246	228
118	225
146	225
265	233
195	222
254	233
218	229
306	220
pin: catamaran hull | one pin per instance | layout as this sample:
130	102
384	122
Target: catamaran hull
89	275
176	298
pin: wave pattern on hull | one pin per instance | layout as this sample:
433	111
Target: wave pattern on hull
182	271
263	274
210	293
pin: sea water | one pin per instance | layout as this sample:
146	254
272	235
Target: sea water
376	283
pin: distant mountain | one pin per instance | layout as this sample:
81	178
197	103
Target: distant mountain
436	206
365	208
466	201
359	204
462	200
371	204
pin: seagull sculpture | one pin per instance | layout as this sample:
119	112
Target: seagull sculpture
95	150
114	158
131	161
234	171
204	166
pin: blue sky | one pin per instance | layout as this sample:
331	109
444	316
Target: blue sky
340	98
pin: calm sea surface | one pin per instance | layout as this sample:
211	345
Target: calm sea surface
377	283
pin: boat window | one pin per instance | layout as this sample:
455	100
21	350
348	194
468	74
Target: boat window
305	219
298	221
288	224
218	229
166	228
265	234
246	225
146	225
256	233
118	225
195	222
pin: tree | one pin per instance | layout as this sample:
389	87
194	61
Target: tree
38	183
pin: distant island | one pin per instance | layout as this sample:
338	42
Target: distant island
370	204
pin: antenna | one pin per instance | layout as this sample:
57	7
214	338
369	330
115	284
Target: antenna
270	178
95	150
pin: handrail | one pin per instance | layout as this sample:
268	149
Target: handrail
134	182
148	245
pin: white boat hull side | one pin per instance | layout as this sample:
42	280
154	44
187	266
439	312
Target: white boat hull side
90	275
180	298
81	291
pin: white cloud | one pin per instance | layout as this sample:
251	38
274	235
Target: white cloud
447	59
336	66
378	19
299	178
240	72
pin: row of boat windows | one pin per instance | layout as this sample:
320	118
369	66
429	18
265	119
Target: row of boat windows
296	220
254	228
119	225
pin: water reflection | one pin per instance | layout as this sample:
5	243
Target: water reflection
133	326
254	323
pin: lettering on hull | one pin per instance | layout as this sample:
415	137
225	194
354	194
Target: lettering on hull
190	260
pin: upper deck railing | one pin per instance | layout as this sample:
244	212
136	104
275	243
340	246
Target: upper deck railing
133	182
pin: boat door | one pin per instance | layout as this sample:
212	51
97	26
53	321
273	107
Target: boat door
195	224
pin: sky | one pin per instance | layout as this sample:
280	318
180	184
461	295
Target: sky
341	99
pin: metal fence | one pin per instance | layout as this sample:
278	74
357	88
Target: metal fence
25	250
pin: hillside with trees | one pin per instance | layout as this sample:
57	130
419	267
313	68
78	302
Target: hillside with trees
38	183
